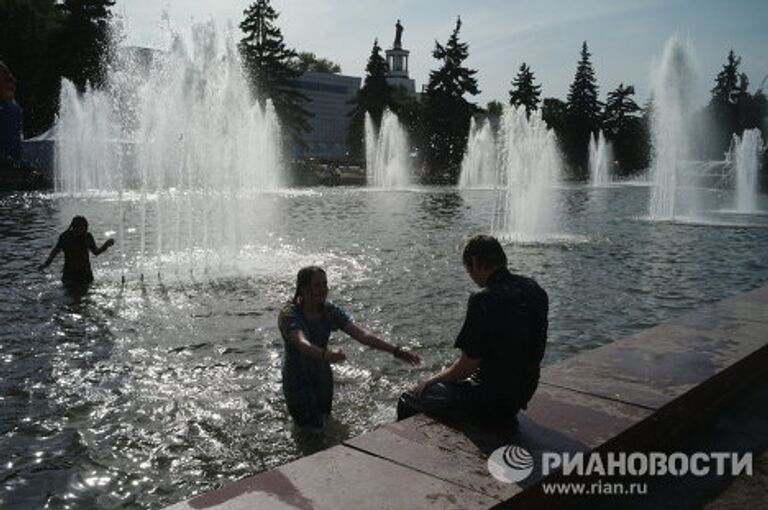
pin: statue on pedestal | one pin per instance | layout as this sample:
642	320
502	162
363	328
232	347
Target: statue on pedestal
398	35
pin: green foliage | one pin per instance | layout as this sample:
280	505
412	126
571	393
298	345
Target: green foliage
26	33
732	108
624	128
555	113
524	91
306	61
583	113
84	41
494	109
446	112
374	96
727	82
267	62
46	39
619	109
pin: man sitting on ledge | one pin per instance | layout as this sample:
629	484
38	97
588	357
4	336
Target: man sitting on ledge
502	343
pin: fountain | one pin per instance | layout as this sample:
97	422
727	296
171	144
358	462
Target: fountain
669	134
386	153
181	136
529	168
600	157
478	168
744	159
190	121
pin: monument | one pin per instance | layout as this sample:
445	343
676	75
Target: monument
397	60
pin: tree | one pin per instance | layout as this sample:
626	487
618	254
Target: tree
619	108
267	62
309	62
583	112
447	113
625	129
374	96
555	113
524	92
27	32
731	106
84	41
494	109
726	89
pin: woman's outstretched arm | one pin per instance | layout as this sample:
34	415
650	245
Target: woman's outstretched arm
365	337
297	338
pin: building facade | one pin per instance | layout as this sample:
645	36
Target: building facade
331	99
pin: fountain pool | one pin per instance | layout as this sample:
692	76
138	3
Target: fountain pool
144	394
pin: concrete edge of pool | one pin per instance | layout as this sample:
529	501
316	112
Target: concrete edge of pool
640	393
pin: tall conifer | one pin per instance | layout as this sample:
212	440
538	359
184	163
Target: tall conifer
583	112
268	63
374	96
524	91
447	112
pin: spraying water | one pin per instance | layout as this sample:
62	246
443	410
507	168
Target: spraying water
479	166
669	133
179	136
530	167
600	157
188	121
386	153
744	157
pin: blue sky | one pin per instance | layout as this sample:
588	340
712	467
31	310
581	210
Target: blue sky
624	36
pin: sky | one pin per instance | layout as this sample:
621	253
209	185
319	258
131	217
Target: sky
625	37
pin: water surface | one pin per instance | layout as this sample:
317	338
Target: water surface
142	394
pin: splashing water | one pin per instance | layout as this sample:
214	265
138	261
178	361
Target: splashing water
530	167
744	157
669	133
189	121
600	157
386	153
479	166
183	131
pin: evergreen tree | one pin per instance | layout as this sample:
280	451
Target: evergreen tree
725	91
84	41
447	113
619	109
27	33
583	112
374	96
731	106
625	129
555	113
524	92
267	62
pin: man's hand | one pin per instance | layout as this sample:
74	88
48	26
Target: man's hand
421	385
108	243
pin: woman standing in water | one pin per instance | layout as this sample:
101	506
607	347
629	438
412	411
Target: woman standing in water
76	242
306	324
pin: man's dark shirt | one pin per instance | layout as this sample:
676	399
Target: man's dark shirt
506	328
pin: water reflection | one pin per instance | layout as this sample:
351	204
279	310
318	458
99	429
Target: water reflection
144	393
